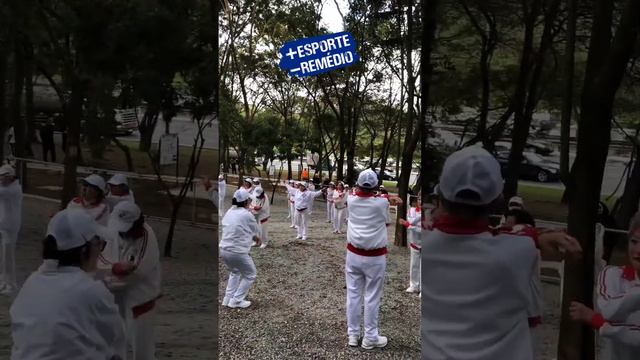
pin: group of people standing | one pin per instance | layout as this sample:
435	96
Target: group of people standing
95	294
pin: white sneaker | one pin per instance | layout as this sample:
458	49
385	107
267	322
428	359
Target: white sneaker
411	289
298	237
328	221
242	304
304	238
225	301
379	343
263	246
353	340
292	226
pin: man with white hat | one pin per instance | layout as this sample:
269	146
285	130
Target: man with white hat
119	191
303	201
10	223
261	208
67	314
330	202
466	312
292	190
366	260
239	233
92	199
133	257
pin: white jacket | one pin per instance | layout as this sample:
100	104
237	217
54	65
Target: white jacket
330	194
619	304
340	199
11	209
292	193
304	199
368	221
265	212
239	227
144	284
113	200
414	217
64	314
100	212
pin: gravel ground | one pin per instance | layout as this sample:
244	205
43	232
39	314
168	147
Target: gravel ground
298	309
186	320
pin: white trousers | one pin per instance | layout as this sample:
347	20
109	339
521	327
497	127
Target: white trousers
141	335
242	274
339	219
7	261
330	209
264	233
414	268
303	222
292	213
365	277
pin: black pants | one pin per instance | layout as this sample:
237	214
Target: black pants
46	149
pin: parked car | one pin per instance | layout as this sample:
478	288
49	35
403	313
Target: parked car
388	175
536	146
533	167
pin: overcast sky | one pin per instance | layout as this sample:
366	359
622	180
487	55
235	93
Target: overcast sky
330	15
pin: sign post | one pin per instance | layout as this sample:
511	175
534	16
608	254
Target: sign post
169	151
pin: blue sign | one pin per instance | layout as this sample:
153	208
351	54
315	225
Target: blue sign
319	54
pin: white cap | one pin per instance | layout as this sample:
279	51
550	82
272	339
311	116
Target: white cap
72	228
221	177
517	200
302	183
368	179
256	180
291	181
473	169
248	180
241	195
123	216
332	184
258	191
95	180
118	179
7	170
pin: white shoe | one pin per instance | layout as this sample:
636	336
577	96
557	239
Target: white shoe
263	246
298	237
328	221
225	301
292	226
242	304
379	343
304	238
411	289
288	217
353	340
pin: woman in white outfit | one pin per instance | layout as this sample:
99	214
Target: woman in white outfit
261	208
222	193
340	204
92	199
292	190
239	231
10	222
330	206
414	227
119	191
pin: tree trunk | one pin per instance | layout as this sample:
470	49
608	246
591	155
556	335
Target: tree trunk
3	77
127	153
16	100
168	245
567	98
73	116
289	167
29	108
147	127
576	341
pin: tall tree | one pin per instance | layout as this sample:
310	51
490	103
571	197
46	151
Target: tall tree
567	99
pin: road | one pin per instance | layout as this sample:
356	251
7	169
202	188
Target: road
186	130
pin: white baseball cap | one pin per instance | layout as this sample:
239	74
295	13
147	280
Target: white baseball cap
95	180
241	195
302	183
221	177
471	169
248	180
72	228
123	216
7	170
516	200
118	179
258	191
256	180
368	179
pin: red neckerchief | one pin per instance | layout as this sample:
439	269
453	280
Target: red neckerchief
629	273
364	194
456	226
418	209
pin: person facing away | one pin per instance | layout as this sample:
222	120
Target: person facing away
48	145
64	313
10	223
617	319
476	284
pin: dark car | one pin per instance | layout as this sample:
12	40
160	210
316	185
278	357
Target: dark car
533	167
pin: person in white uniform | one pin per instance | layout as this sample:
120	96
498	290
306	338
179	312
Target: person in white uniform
132	256
119	191
261	208
292	190
10	223
414	229
248	185
239	232
222	193
92	199
66	313
340	205
304	200
330	207
366	261
617	319
466	313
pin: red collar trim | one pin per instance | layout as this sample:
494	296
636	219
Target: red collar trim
363	194
456	226
418	209
629	273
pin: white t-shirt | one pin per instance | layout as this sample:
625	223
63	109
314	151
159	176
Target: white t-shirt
340	199
476	292
618	301
11	209
304	199
414	217
368	221
265	211
65	314
239	227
